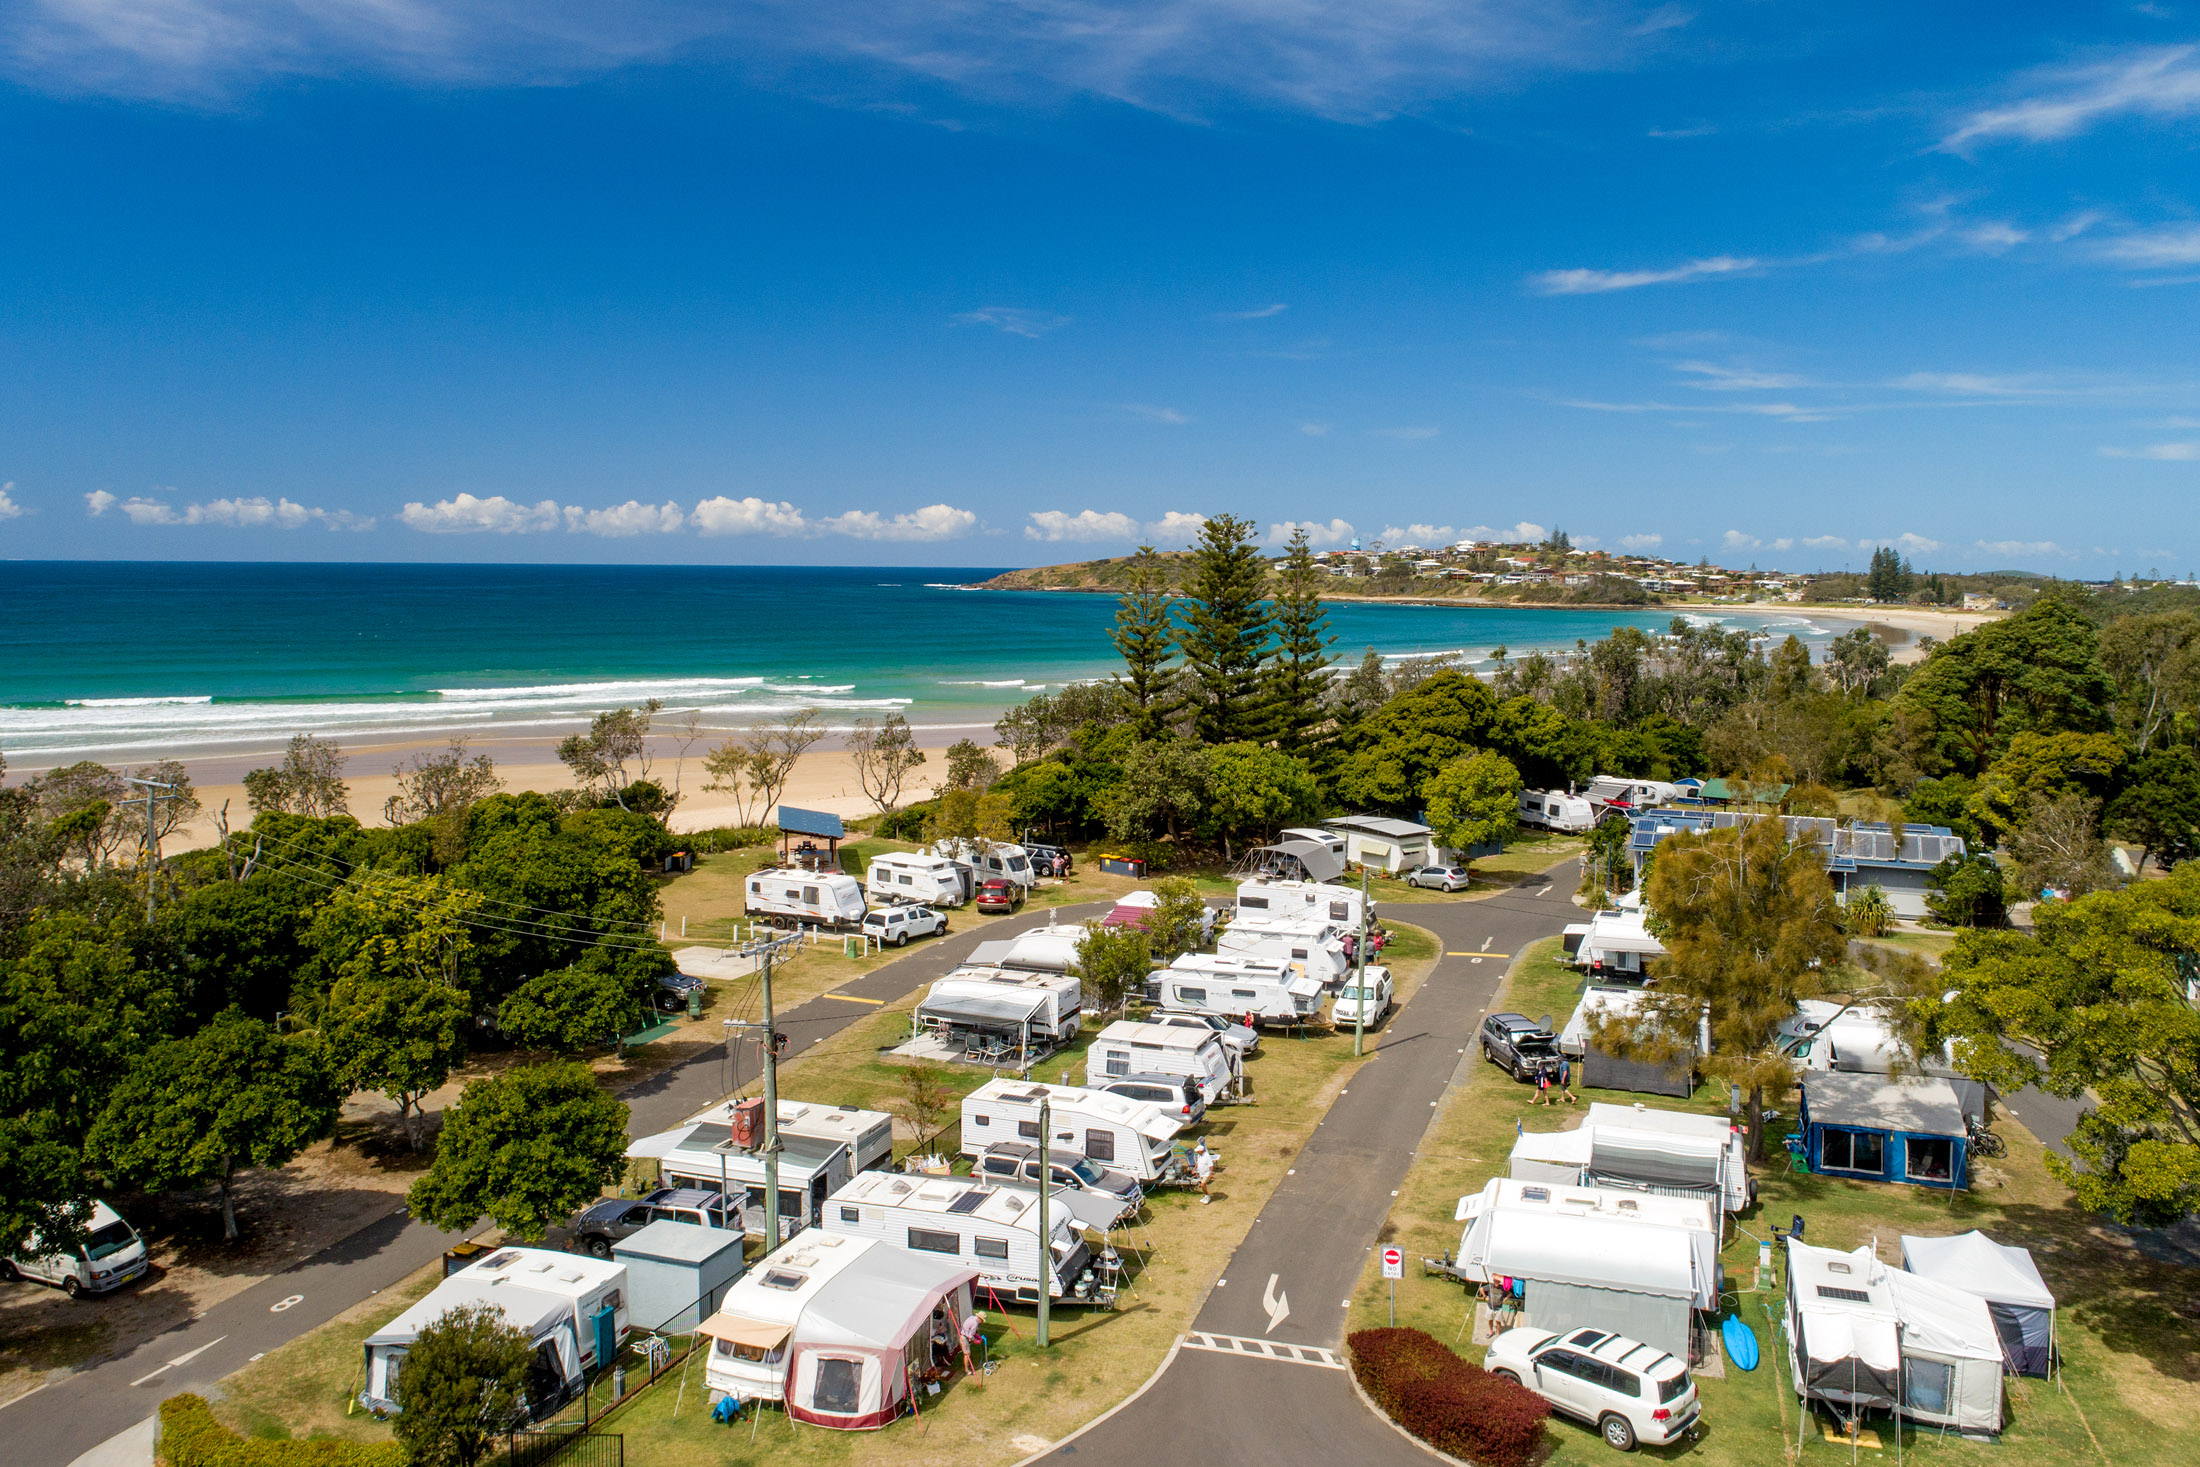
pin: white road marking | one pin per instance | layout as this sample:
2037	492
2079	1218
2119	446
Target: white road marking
1265	1350
1276	1303
184	1359
281	1304
1486	943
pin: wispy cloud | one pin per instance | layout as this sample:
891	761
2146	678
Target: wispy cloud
468	514
1735	540
2164	247
2021	547
1702	130
1087	524
1318	535
1014	321
1418	535
1637	544
1527	532
2158	83
1315	430
1823	542
1713	377
1598	282
255	513
1411	434
1147	412
1257	313
9	509
1786	411
2158	452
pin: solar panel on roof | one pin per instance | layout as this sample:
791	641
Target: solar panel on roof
970	1201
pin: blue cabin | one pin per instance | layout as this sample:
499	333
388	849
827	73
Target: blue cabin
1875	1128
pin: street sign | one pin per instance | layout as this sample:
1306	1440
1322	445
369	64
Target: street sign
1394	1264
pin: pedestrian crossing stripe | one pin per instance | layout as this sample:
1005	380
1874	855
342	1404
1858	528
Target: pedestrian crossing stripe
1265	1350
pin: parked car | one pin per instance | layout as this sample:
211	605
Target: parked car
1245	1041
1629	1391
596	1227
1018	1161
1181	1098
894	926
111	1255
1439	878
1520	1044
1048	860
998	894
1366	1001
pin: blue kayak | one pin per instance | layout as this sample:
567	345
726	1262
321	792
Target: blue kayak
1741	1342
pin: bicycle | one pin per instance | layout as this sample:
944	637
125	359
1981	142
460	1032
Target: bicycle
1986	1143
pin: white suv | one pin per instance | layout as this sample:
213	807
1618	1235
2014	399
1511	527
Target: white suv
1629	1391
894	926
1366	1001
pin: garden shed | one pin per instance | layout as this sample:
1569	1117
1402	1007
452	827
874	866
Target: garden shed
1878	1128
677	1273
2016	1297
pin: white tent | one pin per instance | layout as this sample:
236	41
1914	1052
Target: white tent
1862	1336
2016	1297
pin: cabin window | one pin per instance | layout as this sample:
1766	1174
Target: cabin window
809	894
851	1214
906	880
1929	1159
1928	1385
1100	1145
1029	1130
996	1248
836	1386
1340	911
980	1121
1190	995
1853	1151
1258	903
1245	993
923	1240
1119	1064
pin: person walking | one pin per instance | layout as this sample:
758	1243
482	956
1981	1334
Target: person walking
1566	1078
1542	1088
1203	1171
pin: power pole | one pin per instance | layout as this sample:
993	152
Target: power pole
1359	974
771	1110
152	836
1046	1236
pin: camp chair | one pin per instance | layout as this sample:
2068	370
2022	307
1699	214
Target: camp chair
1794	1228
1798	1154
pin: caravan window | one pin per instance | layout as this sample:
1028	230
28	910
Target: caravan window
922	1240
1340	911
1119	1064
1245	993
1100	1145
851	1214
1853	1151
809	894
1929	1159
1029	1130
906	879
980	1121
1190	995
1928	1385
836	1386
990	1247
1258	903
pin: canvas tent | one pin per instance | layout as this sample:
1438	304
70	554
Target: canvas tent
2016	1297
1865	1337
1881	1129
1608	1072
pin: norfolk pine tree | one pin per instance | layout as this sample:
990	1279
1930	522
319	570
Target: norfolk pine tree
1225	631
1147	640
1296	681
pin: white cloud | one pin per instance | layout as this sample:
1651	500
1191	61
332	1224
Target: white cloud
720	515
1086	524
9	509
255	513
1014	321
2162	248
1976	384
2159	452
1407	435
469	515
1419	534
1714	378
1994	237
1786	411
2158	83
1314	430
1823	542
1597	282
1176	528
1527	532
1735	540
1639	543
630	518
2021	547
1318	535
1147	412
933	522
1906	542
1258	313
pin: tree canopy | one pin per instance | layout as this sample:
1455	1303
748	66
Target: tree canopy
529	1148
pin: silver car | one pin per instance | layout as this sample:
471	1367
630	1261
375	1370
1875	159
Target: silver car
1440	878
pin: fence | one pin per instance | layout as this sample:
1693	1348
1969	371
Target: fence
572	1446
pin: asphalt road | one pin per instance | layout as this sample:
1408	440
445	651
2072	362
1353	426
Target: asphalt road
73	1415
1285	1293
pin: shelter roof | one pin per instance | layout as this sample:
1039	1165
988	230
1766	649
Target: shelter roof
1928	1106
811	822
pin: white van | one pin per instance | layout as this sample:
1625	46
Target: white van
1226	983
1338	904
819	898
1129	1135
1553	810
1130	1048
917	876
112	1254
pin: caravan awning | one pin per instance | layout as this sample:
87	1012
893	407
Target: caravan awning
660	1145
1653	1160
989	1010
757	1334
1318	861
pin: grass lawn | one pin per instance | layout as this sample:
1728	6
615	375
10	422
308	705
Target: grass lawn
1097	1356
2126	1323
1931	946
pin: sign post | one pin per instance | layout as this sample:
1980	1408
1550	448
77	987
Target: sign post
1394	1268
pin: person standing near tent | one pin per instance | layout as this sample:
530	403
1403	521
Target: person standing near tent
1203	1170
972	1331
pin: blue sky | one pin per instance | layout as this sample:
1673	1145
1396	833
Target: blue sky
984	282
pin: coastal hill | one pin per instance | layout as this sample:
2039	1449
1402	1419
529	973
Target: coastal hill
1384	578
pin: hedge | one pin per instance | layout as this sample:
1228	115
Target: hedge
191	1437
1453	1405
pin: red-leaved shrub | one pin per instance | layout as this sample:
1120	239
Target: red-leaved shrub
1450	1403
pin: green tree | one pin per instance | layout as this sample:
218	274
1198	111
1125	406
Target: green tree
401	1034
970	767
1297	677
1391	755
2159	809
1750	926
2059	847
1113	963
80	803
1162	790
461	1386
1224	634
1605	867
1890	577
384	923
1145	638
1179	921
1473	801
567	1010
1856	660
978	816
1869	912
528	1147
439	786
1967	891
1944	802
309	781
194	1110
2040	671
1253	789
2095	993
2155	660
885	754
613	755
2040	766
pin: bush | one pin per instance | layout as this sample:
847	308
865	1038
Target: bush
906	824
728	838
1450	1403
191	1437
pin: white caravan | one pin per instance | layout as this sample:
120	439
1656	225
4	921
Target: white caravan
1022	1005
1823	1035
992	1229
1635	794
1290	899
822	898
869	1134
572	1310
1226	983
111	1255
988	860
917	877
1308	946
1131	1136
1127	1048
1043	950
1569	814
1638	1148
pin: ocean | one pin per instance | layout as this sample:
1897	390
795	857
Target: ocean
129	662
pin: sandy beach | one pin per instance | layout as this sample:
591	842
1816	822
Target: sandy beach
1899	626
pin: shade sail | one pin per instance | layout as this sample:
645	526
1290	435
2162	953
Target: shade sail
757	1334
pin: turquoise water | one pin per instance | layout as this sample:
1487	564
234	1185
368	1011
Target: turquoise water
151	660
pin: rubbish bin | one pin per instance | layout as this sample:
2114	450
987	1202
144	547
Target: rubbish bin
695	1002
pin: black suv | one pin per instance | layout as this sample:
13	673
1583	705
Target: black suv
596	1227
1520	1044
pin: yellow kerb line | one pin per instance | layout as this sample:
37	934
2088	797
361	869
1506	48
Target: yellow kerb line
1477	955
852	998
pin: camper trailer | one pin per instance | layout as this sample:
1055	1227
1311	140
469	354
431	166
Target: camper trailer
572	1309
991	1229
816	898
1129	1135
1569	814
1608	790
1618	948
836	1329
1636	1148
989	861
1226	983
1292	899
1127	1048
1026	1010
914	876
1865	1337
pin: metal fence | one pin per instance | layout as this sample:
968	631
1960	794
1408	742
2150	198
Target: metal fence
565	1447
